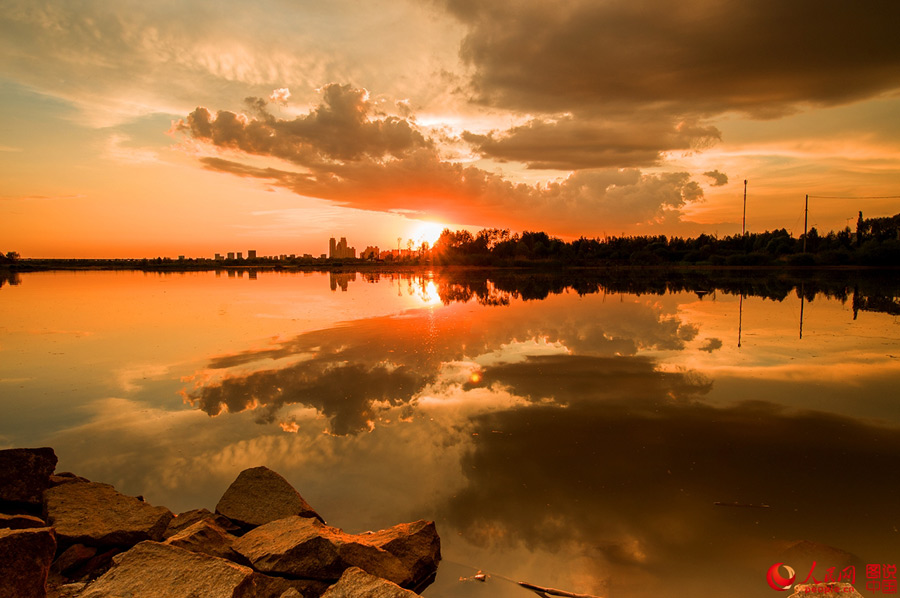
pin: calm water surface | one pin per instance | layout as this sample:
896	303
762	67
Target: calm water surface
612	437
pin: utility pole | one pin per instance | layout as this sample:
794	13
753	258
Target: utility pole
744	221
805	221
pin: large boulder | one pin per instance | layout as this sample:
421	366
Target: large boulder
303	547
207	538
182	521
258	496
356	583
97	515
416	544
25	474
152	570
25	558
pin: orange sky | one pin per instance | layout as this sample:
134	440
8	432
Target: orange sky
135	130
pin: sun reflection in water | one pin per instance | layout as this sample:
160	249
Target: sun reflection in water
429	295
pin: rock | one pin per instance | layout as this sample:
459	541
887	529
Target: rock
25	557
356	583
68	590
303	547
258	496
20	522
25	474
97	565
294	588
72	558
416	544
65	477
207	538
832	588
185	520
97	515
152	570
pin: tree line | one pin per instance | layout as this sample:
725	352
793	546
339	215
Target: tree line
875	242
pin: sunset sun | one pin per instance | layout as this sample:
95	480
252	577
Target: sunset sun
427	232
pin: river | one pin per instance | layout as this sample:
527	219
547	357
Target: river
624	434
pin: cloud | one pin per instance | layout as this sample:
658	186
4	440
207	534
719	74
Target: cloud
699	57
280	96
719	178
118	61
353	373
572	143
118	150
712	344
574	378
338	129
342	152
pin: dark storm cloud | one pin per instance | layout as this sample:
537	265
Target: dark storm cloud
719	178
690	57
572	144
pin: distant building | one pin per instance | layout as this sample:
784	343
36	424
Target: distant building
339	249
251	254
396	254
370	253
219	257
240	255
231	255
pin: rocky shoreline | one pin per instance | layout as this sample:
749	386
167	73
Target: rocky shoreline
63	536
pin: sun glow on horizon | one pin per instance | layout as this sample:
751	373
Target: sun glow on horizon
427	232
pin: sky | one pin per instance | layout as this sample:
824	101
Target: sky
135	129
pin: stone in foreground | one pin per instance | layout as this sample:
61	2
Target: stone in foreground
182	521
356	583
153	570
258	496
302	547
72	558
207	538
97	515
25	558
25	474
416	544
20	521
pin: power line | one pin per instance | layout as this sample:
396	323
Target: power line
855	196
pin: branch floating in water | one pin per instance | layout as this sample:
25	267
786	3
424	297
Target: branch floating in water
553	591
